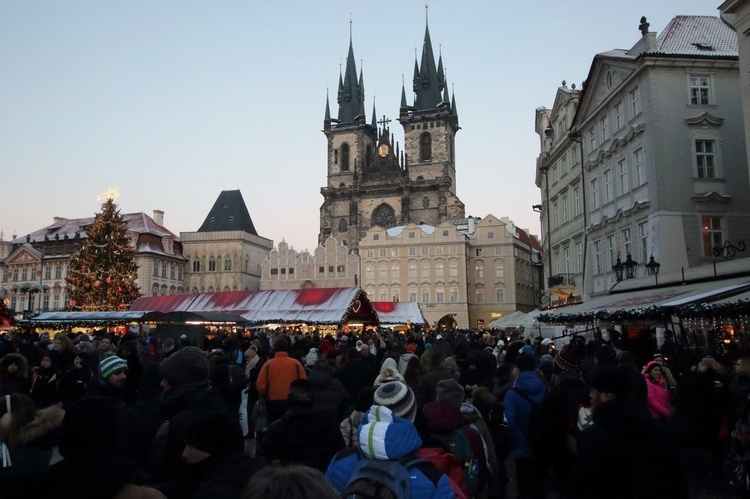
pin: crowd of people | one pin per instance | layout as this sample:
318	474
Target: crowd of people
437	414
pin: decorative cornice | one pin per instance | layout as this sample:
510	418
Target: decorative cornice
704	120
616	144
711	197
637	206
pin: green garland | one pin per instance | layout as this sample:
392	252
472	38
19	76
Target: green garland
714	310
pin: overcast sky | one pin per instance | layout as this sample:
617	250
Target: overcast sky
172	102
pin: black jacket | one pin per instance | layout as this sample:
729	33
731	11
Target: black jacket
355	375
625	454
303	436
329	395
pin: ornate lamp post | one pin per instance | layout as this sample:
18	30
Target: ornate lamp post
630	267
618	269
653	266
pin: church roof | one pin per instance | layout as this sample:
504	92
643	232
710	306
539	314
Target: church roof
229	213
698	35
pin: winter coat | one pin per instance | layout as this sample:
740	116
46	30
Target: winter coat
624	454
31	451
518	411
303	436
403	362
428	384
18	382
44	387
100	387
216	477
392	438
329	395
739	389
355	375
277	374
658	399
349	427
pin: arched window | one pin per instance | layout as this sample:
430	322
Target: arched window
210	289
227	264
384	216
196	265
342	225
194	291
155	290
425	147
212	264
344	157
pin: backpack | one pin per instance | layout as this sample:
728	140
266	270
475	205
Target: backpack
381	479
457	443
237	379
448	464
537	436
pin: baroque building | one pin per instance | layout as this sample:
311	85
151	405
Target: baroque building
226	252
664	158
33	268
371	181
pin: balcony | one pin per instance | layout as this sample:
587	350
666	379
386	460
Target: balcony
562	285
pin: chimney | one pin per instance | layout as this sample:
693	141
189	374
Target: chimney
159	217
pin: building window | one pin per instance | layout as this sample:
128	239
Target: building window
283	271
370	253
212	264
425	296
576	201
479	270
500	295
342	225
579	257
594	193
425	272
196	265
598	257
564	209
382	271
619	118
376	237
554	222
640	174
700	87
395	295
592	140
164	270
490	235
58	273
425	147
383	294
439	269
480	296
411	234
330	269
627	243
440	294
603	128
477	251
643	236
227	264
412	295
179	272
712	234
383	253
453	268
453	294
445	233
394	252
412	251
499	269
635	101
611	249
412	270
607	186
425	251
705	158
344	157
369	271
156	269
274	271
33	273
45	301
395	271
622	170
47	273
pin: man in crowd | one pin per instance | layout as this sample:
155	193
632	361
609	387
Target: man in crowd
276	376
110	382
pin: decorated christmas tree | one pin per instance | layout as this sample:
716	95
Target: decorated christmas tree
103	272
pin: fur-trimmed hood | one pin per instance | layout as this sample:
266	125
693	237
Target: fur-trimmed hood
47	420
14	358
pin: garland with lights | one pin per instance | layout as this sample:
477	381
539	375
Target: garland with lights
103	272
715	310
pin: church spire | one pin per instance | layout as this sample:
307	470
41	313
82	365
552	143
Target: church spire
427	82
374	121
351	88
327	119
404	105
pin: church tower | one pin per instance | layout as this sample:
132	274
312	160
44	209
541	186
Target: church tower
371	182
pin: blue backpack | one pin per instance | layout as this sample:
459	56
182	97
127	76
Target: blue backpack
382	479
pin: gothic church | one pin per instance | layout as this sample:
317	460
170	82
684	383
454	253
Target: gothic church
371	182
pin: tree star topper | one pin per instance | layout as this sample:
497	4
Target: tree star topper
111	193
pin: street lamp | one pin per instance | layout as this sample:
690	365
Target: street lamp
630	267
653	266
618	269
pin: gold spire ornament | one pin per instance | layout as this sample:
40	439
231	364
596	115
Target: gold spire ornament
112	193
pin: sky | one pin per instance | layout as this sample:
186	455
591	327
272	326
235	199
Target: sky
173	101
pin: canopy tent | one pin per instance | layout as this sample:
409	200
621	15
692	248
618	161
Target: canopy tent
59	320
393	313
510	320
310	305
194	317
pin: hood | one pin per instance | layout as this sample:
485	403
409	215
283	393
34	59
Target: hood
388	372
309	422
15	358
383	435
443	417
530	383
403	361
320	379
47	420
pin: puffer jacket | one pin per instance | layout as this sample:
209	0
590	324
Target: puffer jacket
390	438
518	411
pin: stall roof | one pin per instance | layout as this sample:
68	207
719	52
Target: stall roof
510	320
669	296
398	313
214	317
126	316
311	305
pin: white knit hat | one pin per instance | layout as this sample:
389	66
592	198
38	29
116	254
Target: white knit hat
398	398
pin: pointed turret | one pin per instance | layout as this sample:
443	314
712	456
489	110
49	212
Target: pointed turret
351	91
404	105
454	111
374	121
427	85
441	73
328	110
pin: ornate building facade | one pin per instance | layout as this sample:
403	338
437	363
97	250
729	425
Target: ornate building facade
371	181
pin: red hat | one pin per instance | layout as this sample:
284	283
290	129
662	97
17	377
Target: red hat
411	348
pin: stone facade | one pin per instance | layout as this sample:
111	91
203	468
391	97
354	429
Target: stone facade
331	265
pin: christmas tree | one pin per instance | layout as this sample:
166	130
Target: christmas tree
103	272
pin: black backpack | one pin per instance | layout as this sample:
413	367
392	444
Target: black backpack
538	434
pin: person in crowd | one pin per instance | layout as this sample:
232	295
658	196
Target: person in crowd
355	374
30	436
44	383
275	378
403	360
253	364
74	382
368	357
666	372
436	372
624	454
657	401
88	441
62	349
349	425
304	435
639	389
530	468
388	372
739	389
42	347
141	420
228	378
168	348
491	410
110	382
14	374
329	394
384	436
105	348
187	394
442	347
216	463
290	482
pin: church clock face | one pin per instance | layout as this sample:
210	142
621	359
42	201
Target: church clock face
383	150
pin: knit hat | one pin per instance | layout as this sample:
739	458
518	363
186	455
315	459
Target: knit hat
650	366
568	361
187	365
398	398
358	345
546	360
546	341
110	364
411	348
448	390
527	350
611	380
300	393
281	345
216	433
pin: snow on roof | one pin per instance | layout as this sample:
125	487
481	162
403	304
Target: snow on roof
698	35
396	231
